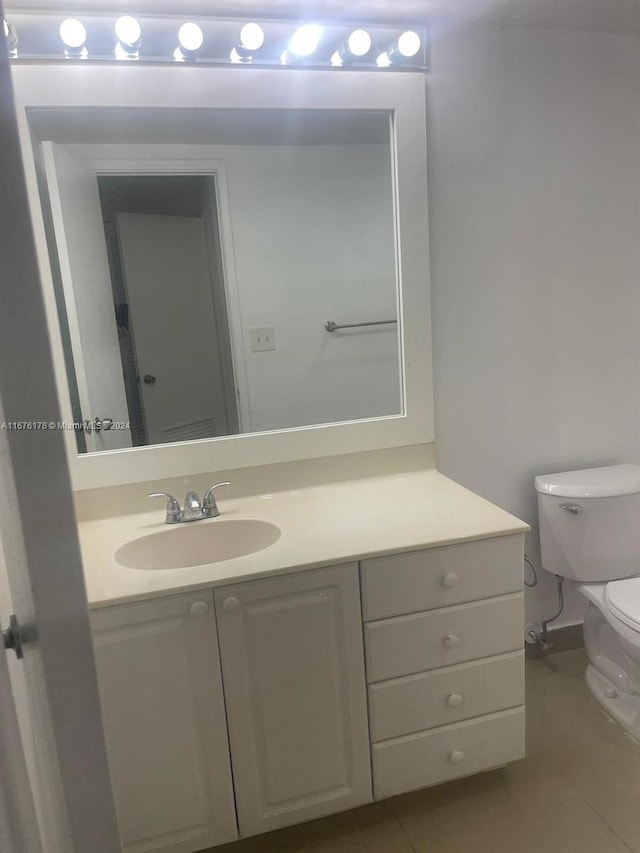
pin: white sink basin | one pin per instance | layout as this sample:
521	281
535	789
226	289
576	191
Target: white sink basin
198	543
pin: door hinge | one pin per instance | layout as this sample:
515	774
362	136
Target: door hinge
11	637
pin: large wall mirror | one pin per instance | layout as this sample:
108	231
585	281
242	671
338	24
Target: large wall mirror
235	263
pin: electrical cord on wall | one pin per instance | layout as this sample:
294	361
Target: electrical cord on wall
535	573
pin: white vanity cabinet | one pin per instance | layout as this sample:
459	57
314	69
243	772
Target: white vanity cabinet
165	727
293	668
445	666
296	709
315	691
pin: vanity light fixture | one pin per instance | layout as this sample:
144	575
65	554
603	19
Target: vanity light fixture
11	38
74	37
129	34
357	46
216	41
251	40
190	40
303	43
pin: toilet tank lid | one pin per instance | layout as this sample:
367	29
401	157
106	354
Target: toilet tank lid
608	482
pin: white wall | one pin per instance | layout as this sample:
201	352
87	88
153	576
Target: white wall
534	198
314	241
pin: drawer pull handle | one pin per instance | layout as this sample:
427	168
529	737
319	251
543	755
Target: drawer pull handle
451	641
231	604
450	580
199	608
456	756
454	700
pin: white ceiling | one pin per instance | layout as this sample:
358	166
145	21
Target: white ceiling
616	16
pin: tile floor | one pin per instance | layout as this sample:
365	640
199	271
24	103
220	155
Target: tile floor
578	791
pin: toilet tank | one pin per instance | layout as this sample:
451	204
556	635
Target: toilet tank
590	523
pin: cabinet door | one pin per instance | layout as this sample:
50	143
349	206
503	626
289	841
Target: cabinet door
293	670
163	708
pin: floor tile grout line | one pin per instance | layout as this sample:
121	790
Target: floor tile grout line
404	831
593	808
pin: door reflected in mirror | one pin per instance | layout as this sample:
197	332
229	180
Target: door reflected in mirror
207	260
168	287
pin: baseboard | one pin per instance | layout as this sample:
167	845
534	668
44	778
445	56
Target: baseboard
560	640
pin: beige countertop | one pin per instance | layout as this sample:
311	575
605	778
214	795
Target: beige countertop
320	526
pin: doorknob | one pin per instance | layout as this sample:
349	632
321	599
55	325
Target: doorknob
98	424
148	379
11	637
102	423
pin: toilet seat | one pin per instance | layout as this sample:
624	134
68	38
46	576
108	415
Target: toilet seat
622	599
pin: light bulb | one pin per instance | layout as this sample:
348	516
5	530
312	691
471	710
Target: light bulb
73	34
251	37
409	43
305	40
359	43
190	37
128	31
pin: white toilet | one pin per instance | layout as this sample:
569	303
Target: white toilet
590	534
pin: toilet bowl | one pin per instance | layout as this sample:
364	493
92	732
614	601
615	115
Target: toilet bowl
589	533
613	648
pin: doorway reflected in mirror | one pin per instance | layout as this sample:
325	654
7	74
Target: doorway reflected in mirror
170	306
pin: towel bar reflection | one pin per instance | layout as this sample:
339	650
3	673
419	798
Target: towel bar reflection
330	326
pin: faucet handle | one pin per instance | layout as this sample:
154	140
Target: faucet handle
173	507
209	506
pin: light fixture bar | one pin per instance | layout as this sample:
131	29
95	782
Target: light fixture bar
215	41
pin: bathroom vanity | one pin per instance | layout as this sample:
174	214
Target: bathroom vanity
343	642
371	650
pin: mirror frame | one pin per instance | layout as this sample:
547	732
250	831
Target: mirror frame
187	87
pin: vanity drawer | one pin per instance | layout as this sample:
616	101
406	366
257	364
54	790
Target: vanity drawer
418	702
439	577
422	641
427	758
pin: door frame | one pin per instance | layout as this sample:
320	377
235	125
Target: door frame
39	536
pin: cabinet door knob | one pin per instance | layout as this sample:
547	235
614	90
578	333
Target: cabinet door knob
456	756
450	580
454	700
231	604
199	608
451	641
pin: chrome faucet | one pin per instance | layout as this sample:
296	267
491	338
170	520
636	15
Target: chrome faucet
193	509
